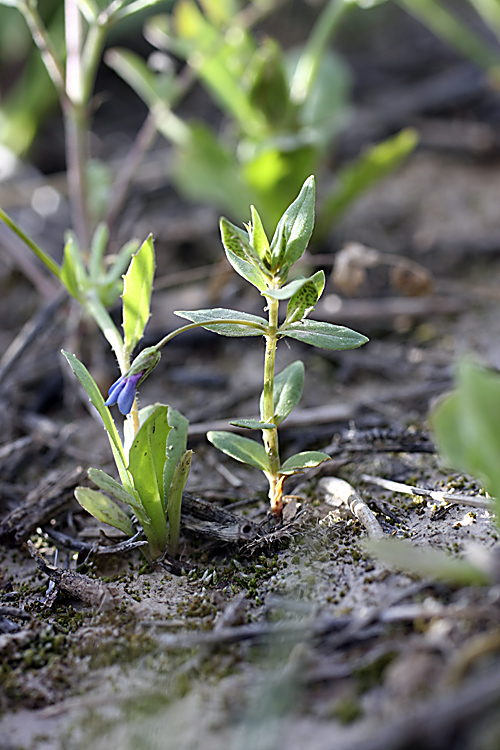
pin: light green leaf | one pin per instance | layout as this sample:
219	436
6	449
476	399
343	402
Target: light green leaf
295	226
137	288
174	503
287	291
242	256
304	300
104	509
253	424
146	464
288	386
98	246
241	448
114	488
427	562
97	400
301	461
258	237
175	446
323	335
249	325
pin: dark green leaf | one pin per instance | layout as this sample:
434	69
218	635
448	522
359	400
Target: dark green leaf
288	386
296	227
301	461
104	509
241	448
258	327
253	424
323	335
304	300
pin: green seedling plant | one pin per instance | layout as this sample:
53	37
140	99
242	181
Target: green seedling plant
283	110
267	265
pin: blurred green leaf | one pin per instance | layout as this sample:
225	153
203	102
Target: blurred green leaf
241	448
359	176
73	274
466	425
104	509
258	328
427	562
304	460
137	289
323	335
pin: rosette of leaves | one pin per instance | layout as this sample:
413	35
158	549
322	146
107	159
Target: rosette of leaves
266	265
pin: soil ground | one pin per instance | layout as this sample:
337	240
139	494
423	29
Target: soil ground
300	637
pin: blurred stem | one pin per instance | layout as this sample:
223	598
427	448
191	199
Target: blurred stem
75	108
314	49
447	26
43	41
41	254
270	437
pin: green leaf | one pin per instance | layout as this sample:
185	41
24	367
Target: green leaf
73	273
97	400
323	335
104	509
258	237
241	448
114	488
174	503
295	226
253	424
146	464
258	325
359	176
304	460
97	249
467	425
175	446
242	256
151	87
137	288
427	562
304	300
288	386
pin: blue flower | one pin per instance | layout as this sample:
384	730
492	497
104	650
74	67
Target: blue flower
122	392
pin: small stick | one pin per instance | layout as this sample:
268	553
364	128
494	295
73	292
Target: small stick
436	495
337	492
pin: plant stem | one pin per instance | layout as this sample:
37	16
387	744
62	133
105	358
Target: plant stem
43	41
270	437
207	324
41	254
